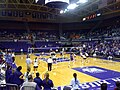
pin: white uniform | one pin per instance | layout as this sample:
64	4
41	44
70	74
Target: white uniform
94	55
28	62
81	54
35	62
86	54
75	84
54	58
53	55
84	57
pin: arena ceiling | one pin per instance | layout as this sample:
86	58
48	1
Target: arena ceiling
76	15
90	8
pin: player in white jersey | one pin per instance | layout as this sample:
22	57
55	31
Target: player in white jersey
53	53
54	59
28	61
35	64
86	54
62	53
74	56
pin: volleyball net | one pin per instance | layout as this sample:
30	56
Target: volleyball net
47	50
61	53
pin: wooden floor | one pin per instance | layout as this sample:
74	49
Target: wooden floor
62	74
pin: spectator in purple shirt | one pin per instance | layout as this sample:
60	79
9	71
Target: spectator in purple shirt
38	80
11	76
103	86
8	72
18	76
47	83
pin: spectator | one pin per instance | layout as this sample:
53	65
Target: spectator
36	63
47	83
117	85
103	86
11	77
18	76
38	80
75	82
27	74
30	85
13	56
67	88
8	72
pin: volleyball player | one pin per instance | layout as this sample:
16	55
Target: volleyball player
52	53
53	56
54	59
84	57
28	61
109	56
74	56
62	53
86	54
71	59
35	64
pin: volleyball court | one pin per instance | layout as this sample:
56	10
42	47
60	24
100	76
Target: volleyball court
69	55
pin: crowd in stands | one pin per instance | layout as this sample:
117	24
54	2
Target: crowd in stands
103	48
11	35
106	32
23	35
50	35
107	49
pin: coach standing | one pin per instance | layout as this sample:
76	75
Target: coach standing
50	61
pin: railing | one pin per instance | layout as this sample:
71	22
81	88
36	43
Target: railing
9	87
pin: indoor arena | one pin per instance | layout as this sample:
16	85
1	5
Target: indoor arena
59	44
